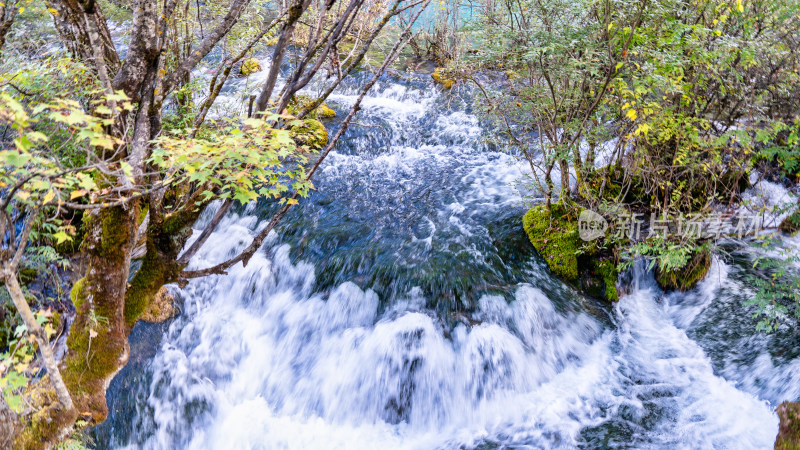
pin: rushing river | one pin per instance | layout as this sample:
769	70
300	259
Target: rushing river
401	306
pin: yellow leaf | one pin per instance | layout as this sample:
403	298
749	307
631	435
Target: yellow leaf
291	201
49	196
739	6
77	193
631	114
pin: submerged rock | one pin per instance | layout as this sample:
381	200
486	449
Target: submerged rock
789	427
249	67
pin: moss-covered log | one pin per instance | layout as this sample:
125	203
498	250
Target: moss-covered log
159	267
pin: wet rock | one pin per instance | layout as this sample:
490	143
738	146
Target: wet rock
554	233
789	427
161	308
688	276
441	77
249	67
311	133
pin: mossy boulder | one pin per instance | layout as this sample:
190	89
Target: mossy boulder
789	427
161	308
554	233
301	102
440	76
249	67
311	133
601	279
687	276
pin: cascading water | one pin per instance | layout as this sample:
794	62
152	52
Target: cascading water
401	307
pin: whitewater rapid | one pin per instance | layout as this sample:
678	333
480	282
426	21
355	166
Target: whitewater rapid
310	347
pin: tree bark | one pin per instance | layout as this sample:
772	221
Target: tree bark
15	291
295	11
98	345
71	27
8	12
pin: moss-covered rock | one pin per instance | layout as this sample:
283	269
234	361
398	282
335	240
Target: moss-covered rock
300	102
47	421
161	308
789	427
249	67
689	275
555	235
440	76
602	282
311	133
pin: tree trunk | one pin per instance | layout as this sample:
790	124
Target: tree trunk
98	345
8	12
564	167
71	27
295	11
14	289
10	426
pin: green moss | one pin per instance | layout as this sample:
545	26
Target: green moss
249	67
689	275
147	281
554	234
789	427
75	294
47	419
301	102
311	133
27	275
114	233
607	270
585	265
441	77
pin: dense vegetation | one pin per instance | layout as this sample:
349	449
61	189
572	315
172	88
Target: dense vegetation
659	112
113	142
110	157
